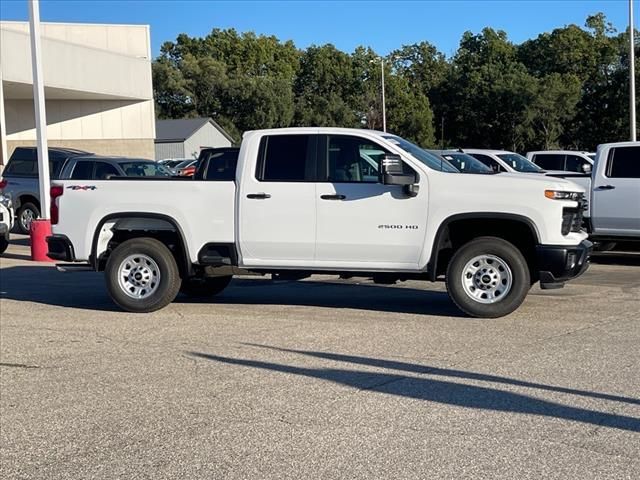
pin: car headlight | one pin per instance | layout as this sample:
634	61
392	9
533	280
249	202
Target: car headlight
5	199
560	195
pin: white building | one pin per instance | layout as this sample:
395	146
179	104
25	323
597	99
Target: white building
183	138
98	87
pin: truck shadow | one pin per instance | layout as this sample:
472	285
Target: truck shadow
631	259
87	290
434	385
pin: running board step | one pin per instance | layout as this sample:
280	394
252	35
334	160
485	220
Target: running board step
74	267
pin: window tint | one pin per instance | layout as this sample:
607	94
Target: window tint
352	159
624	162
55	167
103	170
285	158
549	161
21	168
574	163
83	170
24	163
222	166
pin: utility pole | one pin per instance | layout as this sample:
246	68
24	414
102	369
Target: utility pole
632	74
384	111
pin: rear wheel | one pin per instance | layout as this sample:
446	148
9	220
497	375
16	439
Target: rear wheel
142	275
488	278
204	287
26	214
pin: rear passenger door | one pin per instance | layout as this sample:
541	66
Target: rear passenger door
277	203
615	207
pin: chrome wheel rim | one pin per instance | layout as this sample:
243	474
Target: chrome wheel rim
487	279
139	276
26	218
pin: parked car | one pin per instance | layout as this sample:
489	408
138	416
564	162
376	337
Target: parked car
6	220
172	163
299	204
104	168
186	168
464	162
504	161
563	160
20	180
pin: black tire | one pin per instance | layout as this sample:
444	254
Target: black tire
504	251
4	244
167	286
26	210
204	287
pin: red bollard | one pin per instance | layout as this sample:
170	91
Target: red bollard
40	230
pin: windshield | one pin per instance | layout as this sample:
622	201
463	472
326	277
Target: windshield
519	163
429	159
183	164
145	169
466	163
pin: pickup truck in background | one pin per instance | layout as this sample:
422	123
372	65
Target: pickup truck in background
302	201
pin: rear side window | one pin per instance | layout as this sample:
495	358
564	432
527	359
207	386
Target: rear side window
221	166
624	162
82	171
24	163
286	158
550	161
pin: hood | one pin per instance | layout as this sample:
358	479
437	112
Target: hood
543	181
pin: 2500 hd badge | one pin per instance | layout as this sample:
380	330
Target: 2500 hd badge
397	227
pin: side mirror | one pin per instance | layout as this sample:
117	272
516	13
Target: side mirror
391	172
586	168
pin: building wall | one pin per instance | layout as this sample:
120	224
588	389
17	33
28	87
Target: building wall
102	126
169	150
206	136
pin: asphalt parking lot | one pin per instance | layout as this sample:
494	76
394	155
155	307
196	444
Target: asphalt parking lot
325	378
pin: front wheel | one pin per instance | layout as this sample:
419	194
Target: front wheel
488	277
204	287
142	275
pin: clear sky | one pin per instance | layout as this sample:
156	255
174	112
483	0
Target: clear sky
383	25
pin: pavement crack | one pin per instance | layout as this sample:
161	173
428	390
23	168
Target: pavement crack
18	365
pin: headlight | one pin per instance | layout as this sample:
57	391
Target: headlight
560	195
5	199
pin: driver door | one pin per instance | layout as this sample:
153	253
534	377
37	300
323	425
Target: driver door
361	223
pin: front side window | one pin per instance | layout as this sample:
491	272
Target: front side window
550	161
83	170
466	163
352	159
519	163
489	162
144	169
286	158
624	162
104	170
575	164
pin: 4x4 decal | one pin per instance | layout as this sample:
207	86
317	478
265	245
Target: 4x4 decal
81	187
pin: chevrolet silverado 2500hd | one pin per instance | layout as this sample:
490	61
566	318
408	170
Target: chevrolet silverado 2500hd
306	201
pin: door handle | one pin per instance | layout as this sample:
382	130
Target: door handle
606	187
259	196
333	197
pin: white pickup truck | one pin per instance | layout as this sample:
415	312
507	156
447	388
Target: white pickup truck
304	202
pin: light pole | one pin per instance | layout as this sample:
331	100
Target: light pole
384	111
632	75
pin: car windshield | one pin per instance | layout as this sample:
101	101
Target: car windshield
145	169
429	159
466	163
519	163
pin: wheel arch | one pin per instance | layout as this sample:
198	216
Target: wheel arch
181	254
443	234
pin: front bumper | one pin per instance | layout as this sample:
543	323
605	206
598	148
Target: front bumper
558	264
60	248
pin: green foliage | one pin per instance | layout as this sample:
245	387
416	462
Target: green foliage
565	88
